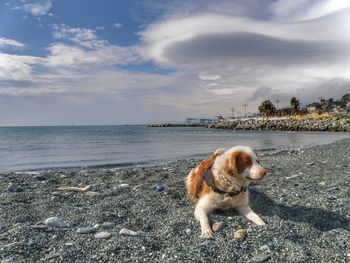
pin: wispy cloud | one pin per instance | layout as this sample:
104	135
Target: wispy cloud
36	8
118	25
83	37
6	42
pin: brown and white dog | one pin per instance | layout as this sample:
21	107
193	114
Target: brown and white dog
221	182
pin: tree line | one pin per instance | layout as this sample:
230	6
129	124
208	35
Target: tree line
267	108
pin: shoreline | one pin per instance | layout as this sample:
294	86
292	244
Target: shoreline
304	199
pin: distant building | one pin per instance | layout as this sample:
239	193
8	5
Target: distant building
191	121
206	121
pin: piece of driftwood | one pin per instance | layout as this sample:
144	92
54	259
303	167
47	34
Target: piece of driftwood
74	189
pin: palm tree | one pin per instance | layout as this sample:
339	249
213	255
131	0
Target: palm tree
295	104
266	108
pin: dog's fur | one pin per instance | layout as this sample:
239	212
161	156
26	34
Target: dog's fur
232	170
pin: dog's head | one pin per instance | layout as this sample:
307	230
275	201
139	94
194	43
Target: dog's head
241	162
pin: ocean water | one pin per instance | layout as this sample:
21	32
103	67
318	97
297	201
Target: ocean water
33	148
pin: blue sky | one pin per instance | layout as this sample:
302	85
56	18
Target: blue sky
143	61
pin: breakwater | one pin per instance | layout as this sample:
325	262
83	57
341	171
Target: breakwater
336	124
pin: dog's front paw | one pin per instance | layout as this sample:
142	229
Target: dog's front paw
207	233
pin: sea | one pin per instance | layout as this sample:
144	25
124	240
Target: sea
41	148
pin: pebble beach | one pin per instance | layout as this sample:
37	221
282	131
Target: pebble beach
142	214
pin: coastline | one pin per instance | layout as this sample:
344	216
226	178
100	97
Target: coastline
304	200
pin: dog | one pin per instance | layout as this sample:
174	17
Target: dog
221	182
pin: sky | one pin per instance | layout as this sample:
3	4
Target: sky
150	61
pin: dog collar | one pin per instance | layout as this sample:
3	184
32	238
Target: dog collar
209	179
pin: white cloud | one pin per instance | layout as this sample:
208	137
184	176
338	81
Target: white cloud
6	42
15	67
14	91
117	25
83	37
299	10
37	8
209	77
86	48
62	55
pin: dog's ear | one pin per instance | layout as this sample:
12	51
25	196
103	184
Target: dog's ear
236	163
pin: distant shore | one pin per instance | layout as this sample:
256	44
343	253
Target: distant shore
304	199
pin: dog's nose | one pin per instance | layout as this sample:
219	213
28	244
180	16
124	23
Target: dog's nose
262	172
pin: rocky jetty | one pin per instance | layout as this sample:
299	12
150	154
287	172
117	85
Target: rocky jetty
336	124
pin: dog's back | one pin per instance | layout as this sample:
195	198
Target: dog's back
195	187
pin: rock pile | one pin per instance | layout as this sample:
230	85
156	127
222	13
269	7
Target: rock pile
336	124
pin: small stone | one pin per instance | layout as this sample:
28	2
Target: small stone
128	232
103	235
322	183
124	186
121	214
312	163
7	260
69	244
188	231
240	234
63	176
39	227
218	226
30	243
159	188
293	176
97	226
55	222
86	230
51	256
91	193
265	248
56	193
107	225
13	188
39	177
261	258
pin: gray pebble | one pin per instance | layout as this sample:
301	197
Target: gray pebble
103	235
128	232
40	177
13	188
86	230
7	260
261	258
124	186
55	222
107	225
